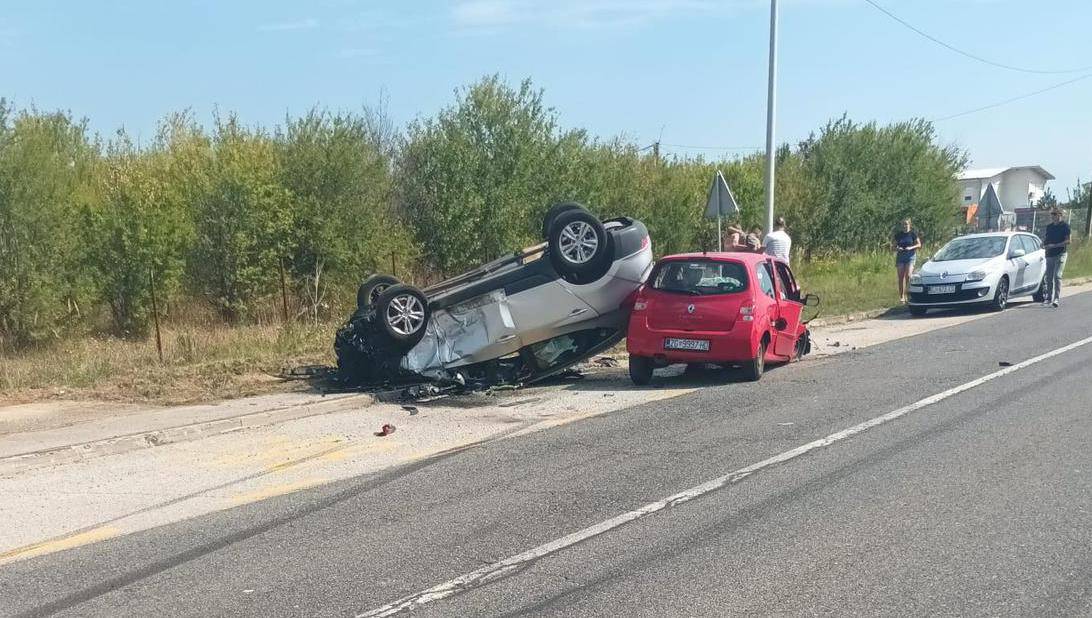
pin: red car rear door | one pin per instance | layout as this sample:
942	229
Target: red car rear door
790	310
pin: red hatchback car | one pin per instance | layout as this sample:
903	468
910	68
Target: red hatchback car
724	308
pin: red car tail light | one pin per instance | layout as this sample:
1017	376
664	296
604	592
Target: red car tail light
747	312
646	242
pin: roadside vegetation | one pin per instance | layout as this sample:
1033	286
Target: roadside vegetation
249	241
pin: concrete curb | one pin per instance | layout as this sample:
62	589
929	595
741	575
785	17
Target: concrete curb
71	453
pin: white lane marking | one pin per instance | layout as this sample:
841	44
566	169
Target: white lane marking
499	569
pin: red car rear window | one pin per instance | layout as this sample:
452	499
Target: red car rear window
700	277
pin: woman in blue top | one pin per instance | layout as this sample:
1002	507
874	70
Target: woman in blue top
906	244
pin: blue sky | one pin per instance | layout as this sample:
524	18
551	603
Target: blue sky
693	69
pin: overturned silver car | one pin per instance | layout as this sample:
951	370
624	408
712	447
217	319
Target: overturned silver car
515	320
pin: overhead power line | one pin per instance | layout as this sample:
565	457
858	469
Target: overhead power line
1013	99
969	54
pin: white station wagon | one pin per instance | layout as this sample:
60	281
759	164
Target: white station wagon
987	269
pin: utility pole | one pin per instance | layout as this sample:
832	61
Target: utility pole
771	99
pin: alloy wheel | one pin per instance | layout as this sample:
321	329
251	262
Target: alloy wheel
405	314
578	242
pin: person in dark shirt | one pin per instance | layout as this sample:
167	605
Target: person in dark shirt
1055	241
906	244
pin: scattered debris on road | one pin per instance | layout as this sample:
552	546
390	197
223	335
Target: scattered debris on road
387	430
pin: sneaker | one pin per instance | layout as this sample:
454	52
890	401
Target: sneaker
1046	303
1054	304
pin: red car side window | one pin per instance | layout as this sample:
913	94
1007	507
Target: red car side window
765	278
788	284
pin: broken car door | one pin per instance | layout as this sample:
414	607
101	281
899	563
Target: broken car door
790	310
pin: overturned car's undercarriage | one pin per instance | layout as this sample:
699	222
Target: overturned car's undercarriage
524	317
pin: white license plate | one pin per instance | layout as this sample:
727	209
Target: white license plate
941	289
696	345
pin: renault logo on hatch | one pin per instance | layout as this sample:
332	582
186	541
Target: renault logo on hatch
690	309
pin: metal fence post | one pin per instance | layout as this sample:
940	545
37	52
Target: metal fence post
284	292
155	316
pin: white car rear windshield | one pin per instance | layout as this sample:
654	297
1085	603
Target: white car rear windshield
971	249
700	277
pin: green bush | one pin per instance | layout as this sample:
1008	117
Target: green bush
46	166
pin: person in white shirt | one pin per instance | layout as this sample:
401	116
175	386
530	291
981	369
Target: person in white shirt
778	243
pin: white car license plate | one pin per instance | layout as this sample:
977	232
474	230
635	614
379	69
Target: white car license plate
696	345
942	289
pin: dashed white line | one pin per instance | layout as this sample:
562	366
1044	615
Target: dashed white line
499	569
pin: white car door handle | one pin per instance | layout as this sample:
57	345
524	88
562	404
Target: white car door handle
577	311
506	338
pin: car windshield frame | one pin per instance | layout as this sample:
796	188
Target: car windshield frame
978	248
737	284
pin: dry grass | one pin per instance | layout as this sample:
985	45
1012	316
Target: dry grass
199	364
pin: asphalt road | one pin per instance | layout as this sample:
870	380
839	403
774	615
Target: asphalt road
977	503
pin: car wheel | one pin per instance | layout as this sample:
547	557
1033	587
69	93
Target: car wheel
579	246
803	345
555	210
1001	296
368	292
917	311
1040	292
403	313
640	370
754	368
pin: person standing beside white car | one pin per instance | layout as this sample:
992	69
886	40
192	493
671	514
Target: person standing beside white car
1055	242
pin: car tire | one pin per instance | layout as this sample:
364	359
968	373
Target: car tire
1040	292
754	368
403	313
803	346
1001	296
917	311
555	210
580	248
368	292
640	370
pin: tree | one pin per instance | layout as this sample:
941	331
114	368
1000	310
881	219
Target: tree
138	228
473	180
1080	201
865	178
1047	200
336	169
45	174
243	221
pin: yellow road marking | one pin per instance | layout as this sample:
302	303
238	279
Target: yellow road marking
278	490
54	545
